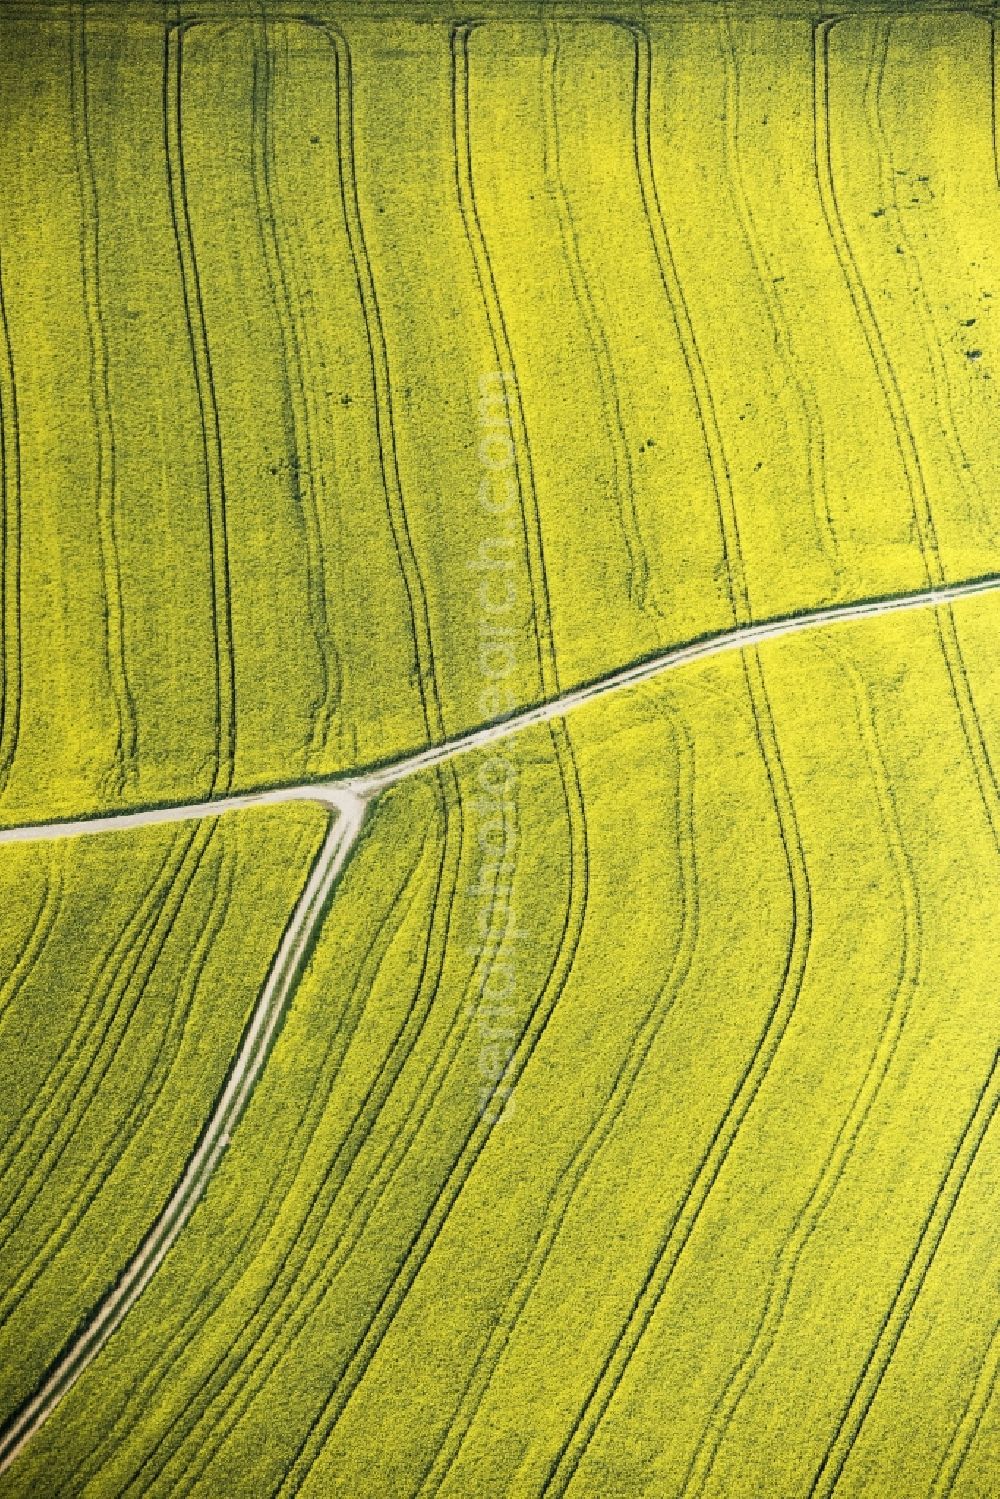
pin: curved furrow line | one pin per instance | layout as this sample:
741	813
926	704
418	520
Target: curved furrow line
304	1293
862	303
382	1172
965	1433
786	817
288	1279
111	1038
152	1083
906	444
944	402
147	1094
378	359
42	926
496	323
123	766
372	318
208	406
309	1283
55	1097
10	550
562	1197
422	1243
994	67
254	1241
447	789
810	1215
708	424
228	1109
623	479
380	375
872	1372
287	306
866	1386
678	1231
223	877
805	395
300	1280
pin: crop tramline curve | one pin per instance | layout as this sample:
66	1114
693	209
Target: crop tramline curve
347	816
855	1412
347	800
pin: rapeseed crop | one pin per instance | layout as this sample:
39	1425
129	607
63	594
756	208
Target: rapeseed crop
596	1100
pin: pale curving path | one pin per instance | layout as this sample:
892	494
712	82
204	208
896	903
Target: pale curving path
244	1071
347	799
343	792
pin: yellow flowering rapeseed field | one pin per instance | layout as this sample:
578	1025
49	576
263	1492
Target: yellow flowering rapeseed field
499	750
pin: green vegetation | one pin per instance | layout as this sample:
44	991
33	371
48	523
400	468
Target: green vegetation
644	977
367	376
244	405
130	973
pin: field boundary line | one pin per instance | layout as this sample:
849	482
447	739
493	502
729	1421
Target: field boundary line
342	793
346	801
247	1065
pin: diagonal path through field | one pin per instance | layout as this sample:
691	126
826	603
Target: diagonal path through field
342	793
347	800
246	1068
